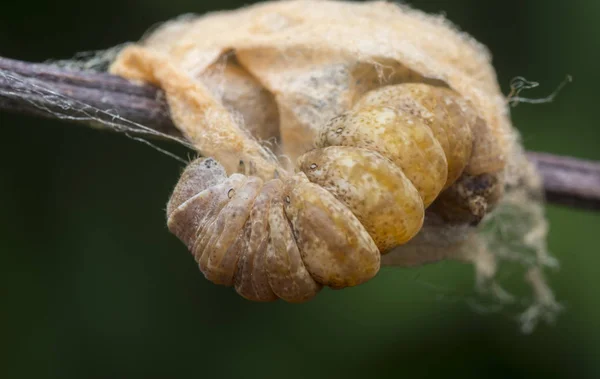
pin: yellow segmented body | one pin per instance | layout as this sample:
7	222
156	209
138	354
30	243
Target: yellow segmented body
446	113
361	192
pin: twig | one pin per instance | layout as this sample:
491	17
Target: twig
568	181
106	95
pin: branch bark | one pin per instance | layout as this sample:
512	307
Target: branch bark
28	88
96	98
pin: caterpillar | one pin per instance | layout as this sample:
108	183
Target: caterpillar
373	155
361	192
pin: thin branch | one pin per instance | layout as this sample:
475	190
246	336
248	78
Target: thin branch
100	96
569	181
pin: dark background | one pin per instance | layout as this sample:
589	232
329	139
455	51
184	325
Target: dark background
93	285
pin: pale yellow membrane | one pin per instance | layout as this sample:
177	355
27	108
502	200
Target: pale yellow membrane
202	118
243	95
312	56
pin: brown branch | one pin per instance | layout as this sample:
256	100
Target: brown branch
95	98
569	181
89	97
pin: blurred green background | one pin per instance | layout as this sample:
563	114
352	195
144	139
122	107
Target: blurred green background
93	285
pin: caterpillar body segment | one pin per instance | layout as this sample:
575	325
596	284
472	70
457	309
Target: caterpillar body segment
279	239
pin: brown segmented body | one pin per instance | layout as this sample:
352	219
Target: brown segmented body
288	276
374	149
280	239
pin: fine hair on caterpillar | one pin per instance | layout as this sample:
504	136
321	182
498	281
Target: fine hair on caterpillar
361	192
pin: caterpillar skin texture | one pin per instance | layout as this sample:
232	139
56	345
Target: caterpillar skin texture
359	193
269	240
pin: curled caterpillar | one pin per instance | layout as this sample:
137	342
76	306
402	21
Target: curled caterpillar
362	191
276	239
386	123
